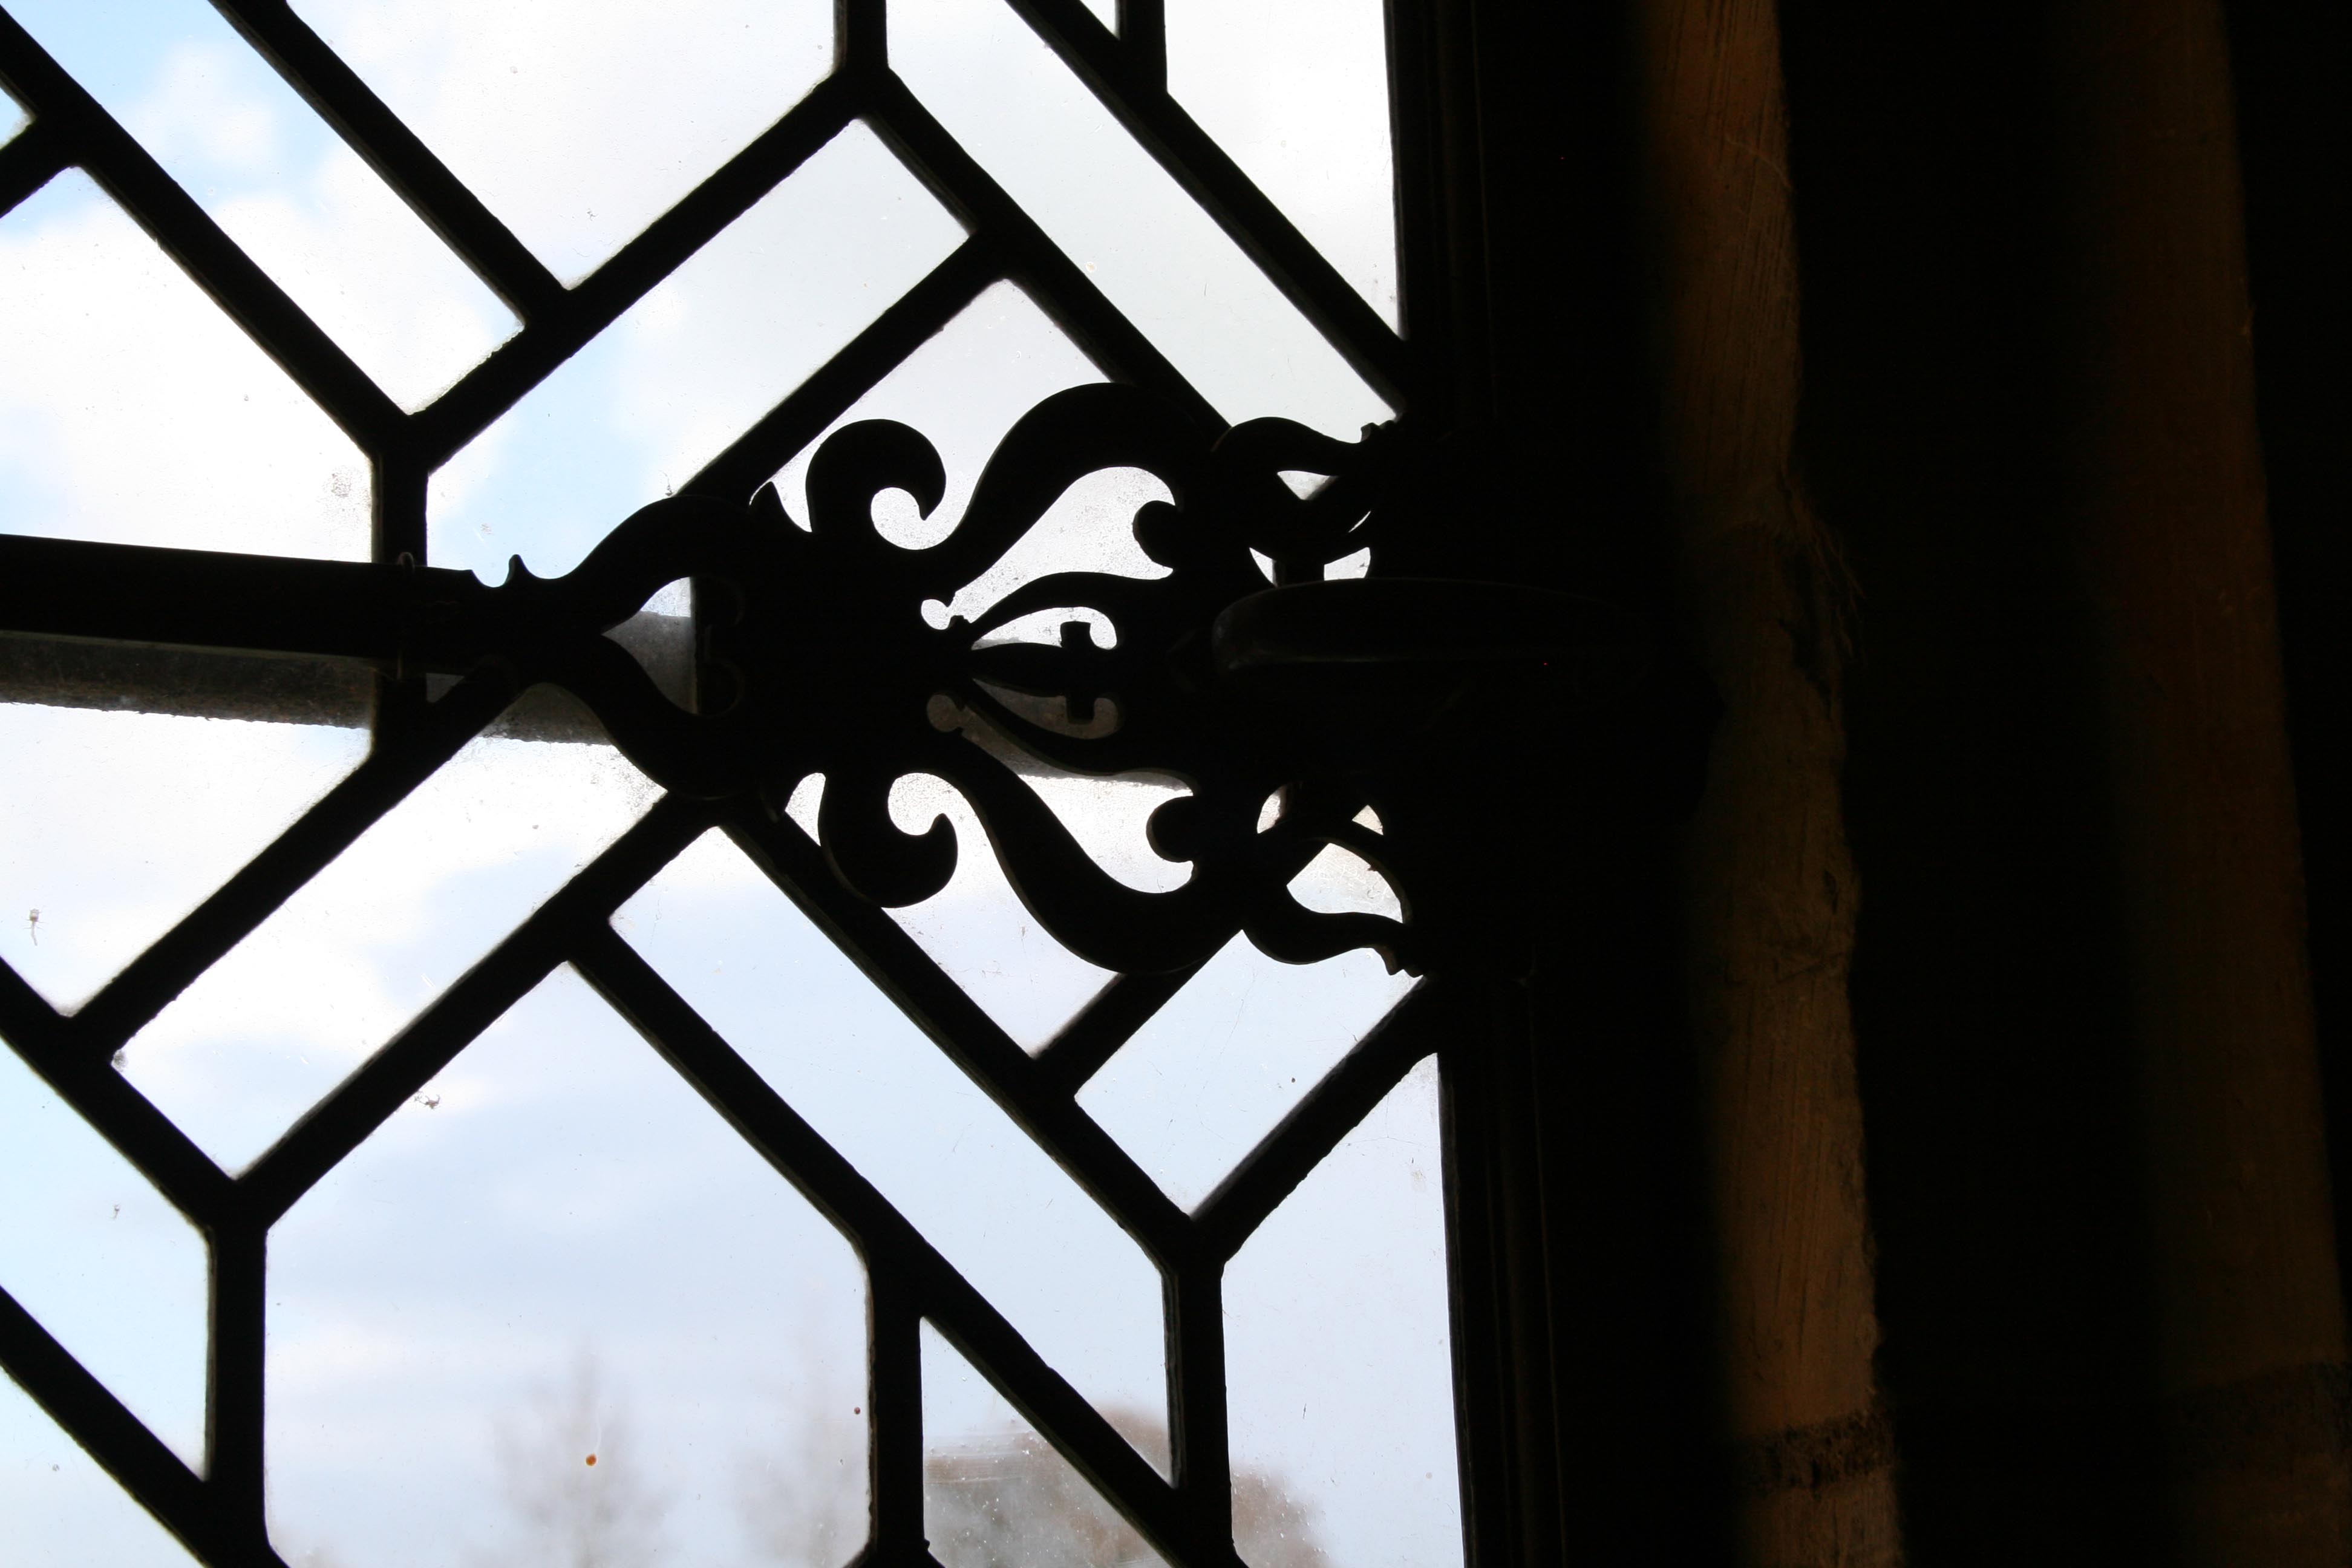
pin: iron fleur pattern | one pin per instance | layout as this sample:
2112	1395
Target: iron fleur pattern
893	695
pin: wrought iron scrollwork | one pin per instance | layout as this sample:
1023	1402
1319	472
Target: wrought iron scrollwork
817	658
825	649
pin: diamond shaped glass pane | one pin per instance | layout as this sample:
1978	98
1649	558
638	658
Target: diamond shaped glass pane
959	1168
111	1270
685	371
371	940
115	824
280	183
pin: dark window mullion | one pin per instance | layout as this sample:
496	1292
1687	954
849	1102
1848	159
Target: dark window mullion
893	1390
31	159
1198	1430
234	1427
397	154
1143	42
1162	127
189	236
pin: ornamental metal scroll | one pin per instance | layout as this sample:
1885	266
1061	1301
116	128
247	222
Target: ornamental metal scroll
816	656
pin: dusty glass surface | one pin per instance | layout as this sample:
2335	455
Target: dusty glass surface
1227	1057
280	183
555	1310
579	122
883	1095
1297	94
115	824
134	411
1341	882
1033	126
556	1251
111	1270
376	935
54	1500
718	344
1338	1358
996	1494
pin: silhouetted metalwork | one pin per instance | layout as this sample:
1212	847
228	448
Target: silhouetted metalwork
813	657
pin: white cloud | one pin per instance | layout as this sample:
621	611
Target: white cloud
579	122
375	936
290	192
135	412
113	826
1298	95
693	364
1157	257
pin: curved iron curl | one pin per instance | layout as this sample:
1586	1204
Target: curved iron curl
840	601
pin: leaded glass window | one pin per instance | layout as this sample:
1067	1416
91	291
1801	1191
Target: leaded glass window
458	1108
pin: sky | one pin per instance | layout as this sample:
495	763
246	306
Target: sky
557	1206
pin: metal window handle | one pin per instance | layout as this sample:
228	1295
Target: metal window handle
814	657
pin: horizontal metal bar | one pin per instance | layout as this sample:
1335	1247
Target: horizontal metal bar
216	599
1138	98
398	155
598	300
1285	1157
101	1096
362	1102
111	1435
250	296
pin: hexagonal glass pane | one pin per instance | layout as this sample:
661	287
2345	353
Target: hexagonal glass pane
555	1310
